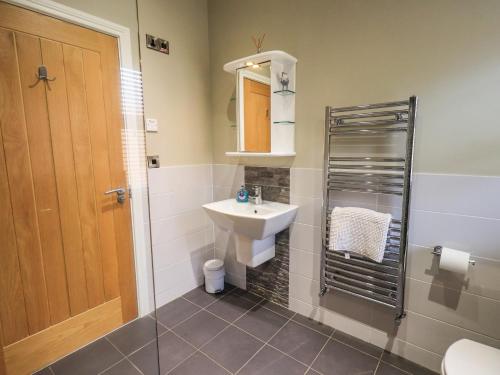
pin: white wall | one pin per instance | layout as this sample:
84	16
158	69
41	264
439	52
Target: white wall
182	234
450	210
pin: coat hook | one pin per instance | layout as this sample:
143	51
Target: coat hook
43	74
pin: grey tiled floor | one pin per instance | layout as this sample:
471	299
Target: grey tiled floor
233	333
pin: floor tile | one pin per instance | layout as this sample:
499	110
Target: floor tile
135	335
199	364
337	358
312	372
261	322
175	312
271	361
299	342
358	344
122	368
232	348
231	307
200	328
172	351
406	365
201	298
247	295
313	324
91	359
277	309
386	369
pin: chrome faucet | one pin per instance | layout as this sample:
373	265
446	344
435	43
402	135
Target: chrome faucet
256	195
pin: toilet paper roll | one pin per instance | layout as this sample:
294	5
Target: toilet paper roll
454	260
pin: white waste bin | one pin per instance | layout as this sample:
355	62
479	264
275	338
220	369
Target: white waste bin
214	275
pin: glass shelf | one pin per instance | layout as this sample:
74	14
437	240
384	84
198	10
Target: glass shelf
284	92
284	122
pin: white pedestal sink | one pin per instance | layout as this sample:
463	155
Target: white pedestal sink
254	226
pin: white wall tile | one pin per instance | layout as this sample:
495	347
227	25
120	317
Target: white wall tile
462	309
304	289
465	195
309	211
183	248
306	182
476	235
187	272
182	234
160	206
305	263
305	237
434	335
482	279
223	192
179	225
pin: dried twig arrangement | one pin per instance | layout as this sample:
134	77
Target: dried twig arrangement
258	41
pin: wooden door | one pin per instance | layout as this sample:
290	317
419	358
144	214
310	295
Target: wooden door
67	272
257	116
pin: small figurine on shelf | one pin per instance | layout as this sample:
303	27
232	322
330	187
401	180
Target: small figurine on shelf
284	81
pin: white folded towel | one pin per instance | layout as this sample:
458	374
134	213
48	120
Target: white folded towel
359	230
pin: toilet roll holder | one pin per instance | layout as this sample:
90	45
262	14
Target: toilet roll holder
438	249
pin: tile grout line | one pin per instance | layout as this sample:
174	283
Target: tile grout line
266	343
255	337
125	357
259	303
230	324
198	350
396	367
378	363
319	352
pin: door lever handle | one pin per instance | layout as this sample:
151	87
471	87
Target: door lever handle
120	194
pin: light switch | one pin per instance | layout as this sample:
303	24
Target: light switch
151	125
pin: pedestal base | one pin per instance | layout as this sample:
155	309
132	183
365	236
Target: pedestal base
254	252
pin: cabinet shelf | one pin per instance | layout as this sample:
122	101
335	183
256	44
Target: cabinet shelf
284	92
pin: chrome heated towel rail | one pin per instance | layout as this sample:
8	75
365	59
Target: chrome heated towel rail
372	164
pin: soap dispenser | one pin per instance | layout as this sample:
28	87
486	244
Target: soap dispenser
242	195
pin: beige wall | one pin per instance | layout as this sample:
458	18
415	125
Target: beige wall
354	51
177	86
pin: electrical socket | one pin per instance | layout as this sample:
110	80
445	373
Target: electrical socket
158	44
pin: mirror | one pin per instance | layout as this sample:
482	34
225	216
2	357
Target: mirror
253	100
265	104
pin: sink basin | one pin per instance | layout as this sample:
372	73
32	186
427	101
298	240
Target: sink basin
254	226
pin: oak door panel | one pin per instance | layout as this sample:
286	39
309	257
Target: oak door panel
19	175
40	149
12	310
102	174
123	225
82	153
67	192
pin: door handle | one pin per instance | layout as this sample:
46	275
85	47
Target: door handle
120	194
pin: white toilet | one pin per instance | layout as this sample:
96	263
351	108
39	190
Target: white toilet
466	357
